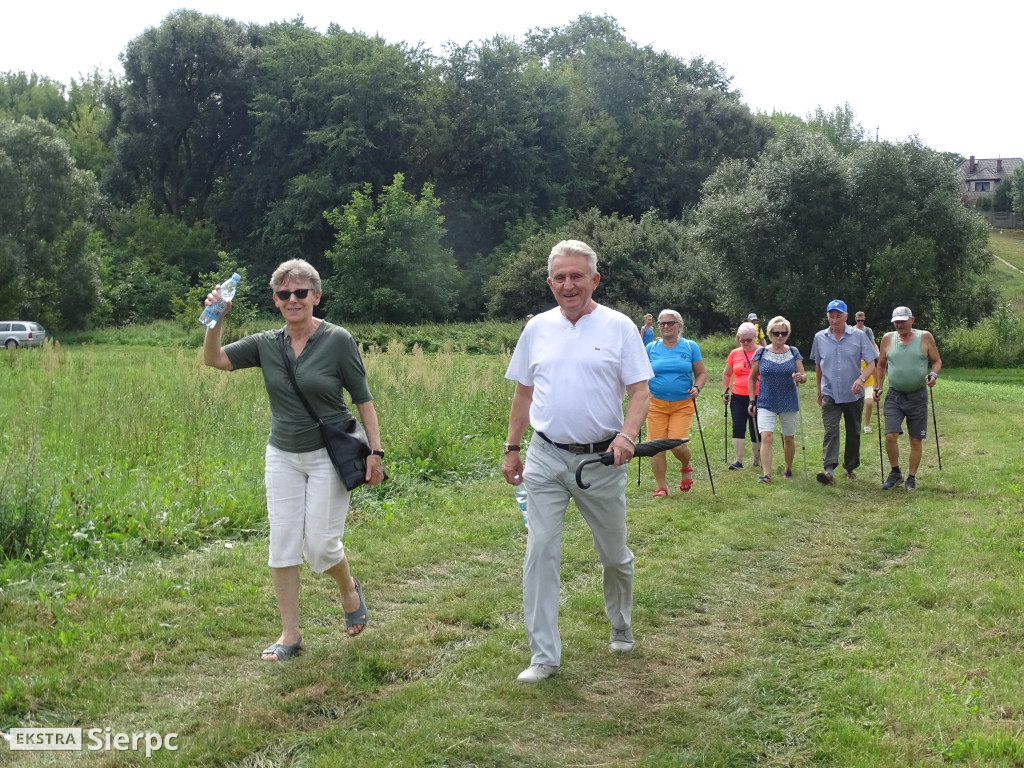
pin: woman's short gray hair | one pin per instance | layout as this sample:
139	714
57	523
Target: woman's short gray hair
675	315
776	322
746	328
295	269
573	246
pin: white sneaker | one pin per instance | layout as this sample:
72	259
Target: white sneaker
621	641
537	672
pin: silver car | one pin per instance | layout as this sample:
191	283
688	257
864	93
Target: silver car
21	333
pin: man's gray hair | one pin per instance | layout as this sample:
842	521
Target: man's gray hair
574	246
295	269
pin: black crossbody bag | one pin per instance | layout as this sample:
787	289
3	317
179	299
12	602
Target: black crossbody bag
346	442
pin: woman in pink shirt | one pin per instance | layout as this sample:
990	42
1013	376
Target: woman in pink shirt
737	370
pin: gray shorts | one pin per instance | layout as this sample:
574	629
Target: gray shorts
912	406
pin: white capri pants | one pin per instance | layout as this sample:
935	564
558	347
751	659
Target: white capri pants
307	505
787	421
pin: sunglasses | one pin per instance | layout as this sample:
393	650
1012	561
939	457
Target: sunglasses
667	323
780	334
745	341
300	293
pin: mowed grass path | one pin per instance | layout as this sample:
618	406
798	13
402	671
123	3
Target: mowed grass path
1008	244
786	625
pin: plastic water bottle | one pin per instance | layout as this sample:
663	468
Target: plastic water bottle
520	494
211	315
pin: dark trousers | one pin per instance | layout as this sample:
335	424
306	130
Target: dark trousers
741	420
851	413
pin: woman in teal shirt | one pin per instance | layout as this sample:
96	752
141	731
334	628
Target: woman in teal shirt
679	376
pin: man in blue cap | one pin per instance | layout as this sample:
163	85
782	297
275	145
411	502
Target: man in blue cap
836	353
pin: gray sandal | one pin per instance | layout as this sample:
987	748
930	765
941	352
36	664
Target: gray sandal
283	652
358	616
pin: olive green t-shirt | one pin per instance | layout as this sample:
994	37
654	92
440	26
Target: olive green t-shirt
329	363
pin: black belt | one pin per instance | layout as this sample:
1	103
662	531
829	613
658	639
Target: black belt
580	448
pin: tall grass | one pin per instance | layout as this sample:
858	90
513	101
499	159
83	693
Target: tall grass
113	449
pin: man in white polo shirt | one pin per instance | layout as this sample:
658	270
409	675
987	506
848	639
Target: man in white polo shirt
572	366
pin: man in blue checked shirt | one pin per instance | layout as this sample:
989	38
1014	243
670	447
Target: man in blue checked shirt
836	353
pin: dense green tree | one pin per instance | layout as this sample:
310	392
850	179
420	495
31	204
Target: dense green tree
140	293
1017	189
388	257
1002	200
882	226
779	120
160	239
44	207
29	95
672	121
907	197
151	258
76	111
330	112
181	113
646	265
88	125
504	150
839	126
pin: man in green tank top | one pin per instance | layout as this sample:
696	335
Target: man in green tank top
911	360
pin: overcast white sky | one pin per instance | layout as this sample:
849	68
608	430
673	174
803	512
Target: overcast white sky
949	73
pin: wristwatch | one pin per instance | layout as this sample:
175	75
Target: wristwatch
509	447
377	453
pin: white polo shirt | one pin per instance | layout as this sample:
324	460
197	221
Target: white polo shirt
579	373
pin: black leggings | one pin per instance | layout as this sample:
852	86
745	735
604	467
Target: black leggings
740	418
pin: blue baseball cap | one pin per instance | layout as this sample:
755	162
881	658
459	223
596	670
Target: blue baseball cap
836	304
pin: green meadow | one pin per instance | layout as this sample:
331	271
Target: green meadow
788	625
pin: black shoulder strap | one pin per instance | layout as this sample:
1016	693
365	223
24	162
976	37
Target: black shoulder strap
291	375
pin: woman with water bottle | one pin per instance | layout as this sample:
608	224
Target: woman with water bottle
306	501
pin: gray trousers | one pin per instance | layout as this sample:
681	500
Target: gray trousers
550	476
851	414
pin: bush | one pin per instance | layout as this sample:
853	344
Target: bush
996	342
25	515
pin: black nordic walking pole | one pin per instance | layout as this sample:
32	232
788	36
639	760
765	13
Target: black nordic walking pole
726	434
639	439
707	461
935	427
878	426
757	435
